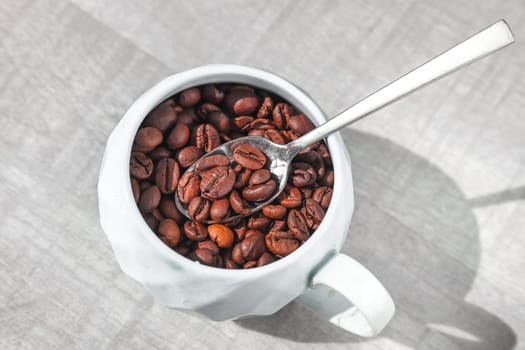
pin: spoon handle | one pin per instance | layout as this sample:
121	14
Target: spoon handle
487	41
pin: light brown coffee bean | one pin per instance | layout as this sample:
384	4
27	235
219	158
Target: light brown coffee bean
221	234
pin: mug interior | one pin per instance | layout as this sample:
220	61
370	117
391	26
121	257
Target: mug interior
242	75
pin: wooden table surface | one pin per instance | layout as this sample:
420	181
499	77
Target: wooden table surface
439	177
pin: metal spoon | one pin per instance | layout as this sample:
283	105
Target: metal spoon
487	41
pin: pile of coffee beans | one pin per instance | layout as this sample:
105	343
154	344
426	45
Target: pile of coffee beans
180	130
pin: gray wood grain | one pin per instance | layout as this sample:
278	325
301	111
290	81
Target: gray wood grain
439	177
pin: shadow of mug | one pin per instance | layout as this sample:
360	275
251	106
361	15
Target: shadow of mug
415	230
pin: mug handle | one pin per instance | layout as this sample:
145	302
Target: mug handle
349	296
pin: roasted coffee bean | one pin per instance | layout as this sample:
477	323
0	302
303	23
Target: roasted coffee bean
274	211
190	97
207	137
253	245
189	187
179	136
167	175
258	222
281	243
323	195
207	257
265	259
147	139
259	177
195	231
328	178
205	109
149	199
266	107
188	155
314	159
159	153
162	117
212	94
249	157
221	234
241	101
169	232
199	209
140	166
238	204
243	122
274	136
213	161
313	212
209	245
237	256
242	179
220	121
303	174
259	193
169	210
297	225
135	188
220	209
290	197
299	124
217	182
281	113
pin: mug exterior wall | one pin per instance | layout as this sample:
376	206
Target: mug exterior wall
177	282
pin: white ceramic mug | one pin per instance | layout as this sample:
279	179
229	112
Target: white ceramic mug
330	282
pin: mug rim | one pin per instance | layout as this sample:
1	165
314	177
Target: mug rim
212	73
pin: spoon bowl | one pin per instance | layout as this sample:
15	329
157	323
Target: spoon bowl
278	165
